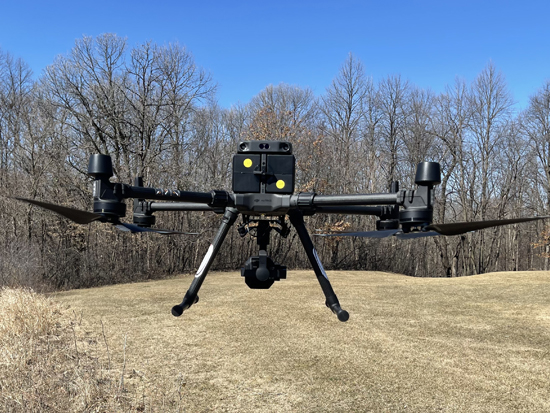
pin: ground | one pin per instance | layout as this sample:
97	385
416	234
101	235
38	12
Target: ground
469	344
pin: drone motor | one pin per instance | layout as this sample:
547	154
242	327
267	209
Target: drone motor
106	202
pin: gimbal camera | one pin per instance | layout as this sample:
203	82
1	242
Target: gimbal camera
264	175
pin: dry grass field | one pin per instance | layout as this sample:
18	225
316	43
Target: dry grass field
471	344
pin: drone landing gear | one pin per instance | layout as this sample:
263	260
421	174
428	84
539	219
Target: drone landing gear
261	272
297	220
191	297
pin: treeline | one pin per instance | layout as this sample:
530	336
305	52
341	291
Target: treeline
154	111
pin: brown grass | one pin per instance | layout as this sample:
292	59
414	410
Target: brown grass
50	360
472	344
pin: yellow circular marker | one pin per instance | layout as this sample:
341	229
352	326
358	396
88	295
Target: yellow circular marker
247	163
280	184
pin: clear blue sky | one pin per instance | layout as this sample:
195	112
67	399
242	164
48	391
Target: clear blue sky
248	45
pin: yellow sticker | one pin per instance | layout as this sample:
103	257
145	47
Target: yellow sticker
280	184
247	163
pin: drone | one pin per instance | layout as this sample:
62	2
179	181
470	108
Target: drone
264	175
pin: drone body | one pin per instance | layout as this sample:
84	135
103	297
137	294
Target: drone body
264	175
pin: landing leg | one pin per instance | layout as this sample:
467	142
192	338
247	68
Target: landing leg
297	220
191	297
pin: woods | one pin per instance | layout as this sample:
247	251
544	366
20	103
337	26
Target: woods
154	110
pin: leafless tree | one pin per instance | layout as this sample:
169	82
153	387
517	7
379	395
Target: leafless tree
450	123
154	110
344	107
394	101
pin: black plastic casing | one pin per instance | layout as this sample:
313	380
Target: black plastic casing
281	147
428	173
249	272
100	167
266	167
419	207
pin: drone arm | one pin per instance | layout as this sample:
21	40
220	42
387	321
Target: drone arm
191	297
359	199
183	206
297	220
351	210
213	198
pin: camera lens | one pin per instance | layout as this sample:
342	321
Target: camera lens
266	146
243	146
285	147
261	145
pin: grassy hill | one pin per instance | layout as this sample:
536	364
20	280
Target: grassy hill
470	344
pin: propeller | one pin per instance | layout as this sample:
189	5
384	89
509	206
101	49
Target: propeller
370	234
84	217
457	228
431	230
75	215
136	228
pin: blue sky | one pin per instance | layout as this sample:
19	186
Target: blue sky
248	45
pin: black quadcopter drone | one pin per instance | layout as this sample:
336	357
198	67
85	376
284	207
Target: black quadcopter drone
263	193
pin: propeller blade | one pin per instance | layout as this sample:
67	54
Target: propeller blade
457	228
172	232
135	228
368	234
75	215
85	217
129	227
416	234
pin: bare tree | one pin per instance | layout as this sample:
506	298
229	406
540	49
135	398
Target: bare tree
536	126
343	106
490	104
394	101
153	109
132	109
450	123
